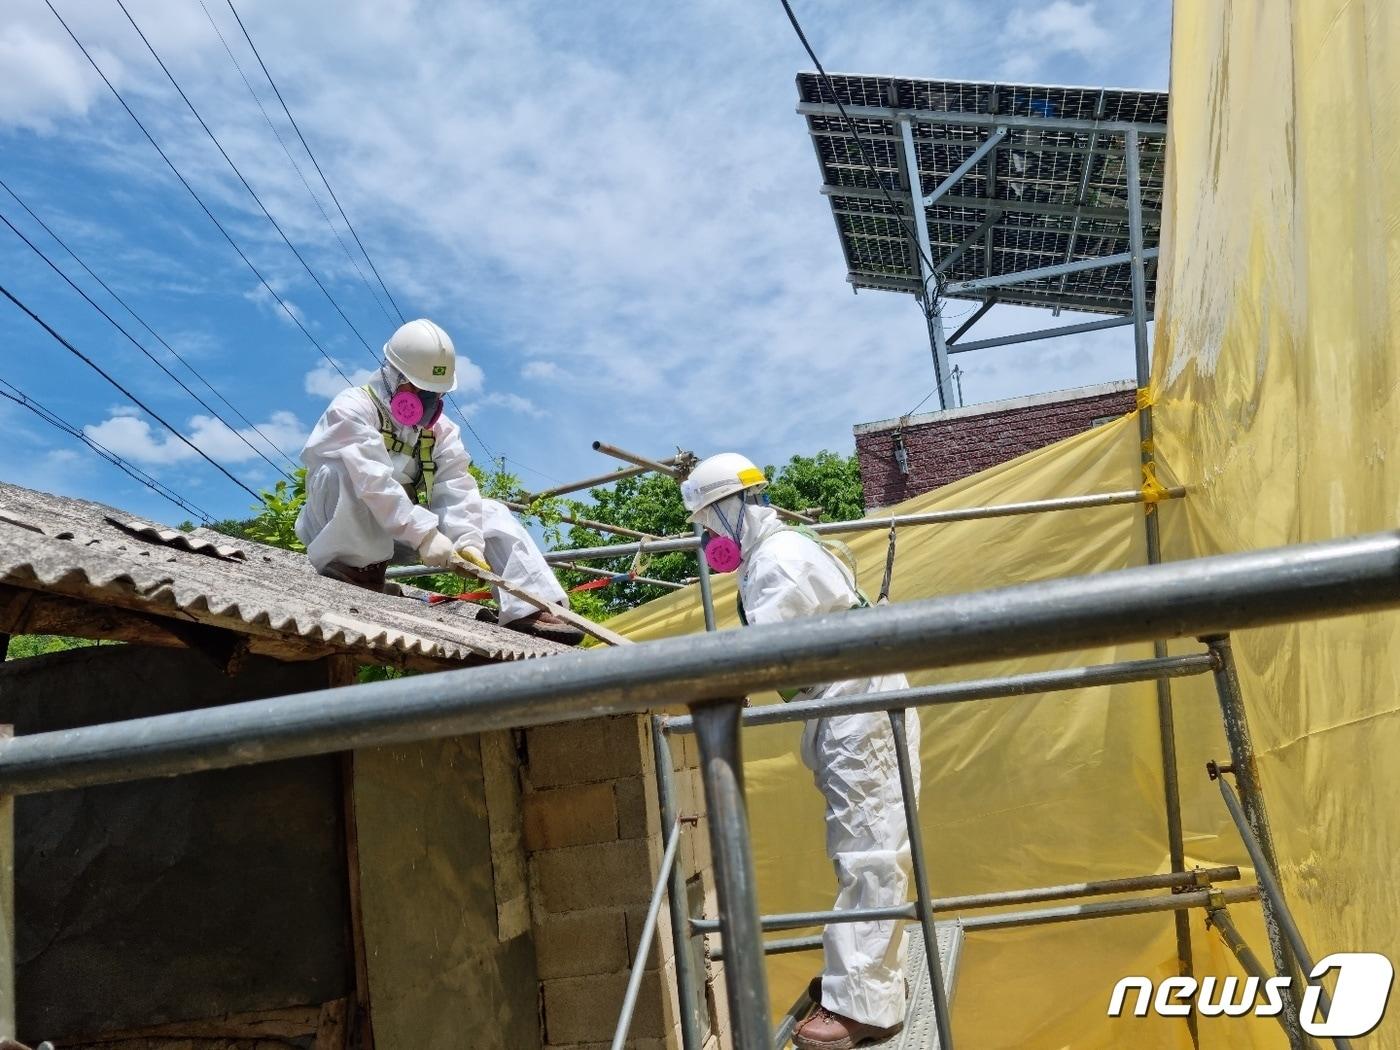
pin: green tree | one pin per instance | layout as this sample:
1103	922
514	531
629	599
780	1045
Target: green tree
826	480
652	504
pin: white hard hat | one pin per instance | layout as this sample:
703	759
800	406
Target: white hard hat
719	476
424	353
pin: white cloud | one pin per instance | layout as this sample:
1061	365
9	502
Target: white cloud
325	381
628	202
540	370
513	403
132	437
260	297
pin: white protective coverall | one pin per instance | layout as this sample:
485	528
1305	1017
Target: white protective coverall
785	575
357	510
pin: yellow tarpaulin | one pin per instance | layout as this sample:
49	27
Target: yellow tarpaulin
1277	402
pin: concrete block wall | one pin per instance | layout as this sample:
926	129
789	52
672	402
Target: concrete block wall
946	446
593	837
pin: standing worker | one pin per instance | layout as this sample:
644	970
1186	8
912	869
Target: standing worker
785	573
386	472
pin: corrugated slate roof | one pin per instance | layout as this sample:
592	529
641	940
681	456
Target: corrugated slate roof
102	556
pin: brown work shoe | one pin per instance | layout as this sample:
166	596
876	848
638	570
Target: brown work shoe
546	625
370	577
824	1030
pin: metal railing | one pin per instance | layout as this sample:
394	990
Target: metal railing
711	673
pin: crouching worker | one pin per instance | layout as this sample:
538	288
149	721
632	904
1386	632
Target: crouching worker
785	573
386	476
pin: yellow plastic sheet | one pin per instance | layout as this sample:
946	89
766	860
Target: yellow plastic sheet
1276	397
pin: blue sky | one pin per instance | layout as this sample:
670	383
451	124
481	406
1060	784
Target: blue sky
611	206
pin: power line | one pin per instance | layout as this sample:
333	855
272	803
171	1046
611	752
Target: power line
139	403
136	343
19	397
198	200
329	189
224	153
315	164
866	154
305	145
296	167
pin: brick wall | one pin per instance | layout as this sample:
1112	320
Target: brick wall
594	844
945	446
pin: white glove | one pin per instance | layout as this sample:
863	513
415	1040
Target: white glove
472	556
436	550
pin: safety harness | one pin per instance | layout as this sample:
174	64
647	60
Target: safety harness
833	549
421	488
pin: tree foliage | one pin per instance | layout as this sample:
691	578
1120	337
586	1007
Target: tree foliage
651	503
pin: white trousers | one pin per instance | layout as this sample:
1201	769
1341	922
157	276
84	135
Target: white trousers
335	526
852	758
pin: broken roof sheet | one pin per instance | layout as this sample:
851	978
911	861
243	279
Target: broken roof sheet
98	555
1053	191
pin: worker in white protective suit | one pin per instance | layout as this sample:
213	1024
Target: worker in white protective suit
785	573
386	477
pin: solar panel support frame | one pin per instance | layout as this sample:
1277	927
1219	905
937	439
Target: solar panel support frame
1041	272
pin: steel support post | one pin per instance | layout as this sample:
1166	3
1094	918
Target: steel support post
722	771
7	908
1246	770
1273	899
943	375
1166	721
707	597
687	989
910	791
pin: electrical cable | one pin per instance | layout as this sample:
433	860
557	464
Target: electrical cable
19	397
374	269
252	192
295	166
331	190
866	154
139	403
142	322
198	200
154	360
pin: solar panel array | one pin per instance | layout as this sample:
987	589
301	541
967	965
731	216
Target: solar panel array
1044	196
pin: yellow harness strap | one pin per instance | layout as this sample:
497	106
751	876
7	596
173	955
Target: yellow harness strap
422	486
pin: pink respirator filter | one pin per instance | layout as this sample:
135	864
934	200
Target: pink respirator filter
407	409
722	554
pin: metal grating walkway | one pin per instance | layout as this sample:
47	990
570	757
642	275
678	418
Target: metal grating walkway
919	1031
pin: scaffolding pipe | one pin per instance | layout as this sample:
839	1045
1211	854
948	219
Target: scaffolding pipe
975	689
663	468
627	578
1048	916
702	569
587	523
933	517
722	773
1166	719
687	988
593	482
1273	893
909	793
1000	899
1246	770
1190	598
634	980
